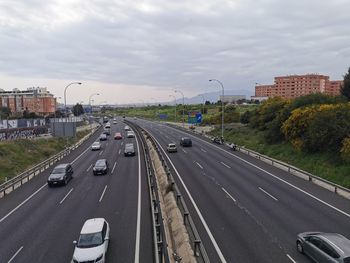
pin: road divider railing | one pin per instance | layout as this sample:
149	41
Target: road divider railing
17	181
159	238
336	188
195	240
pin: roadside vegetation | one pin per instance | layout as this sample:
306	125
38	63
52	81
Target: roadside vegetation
19	155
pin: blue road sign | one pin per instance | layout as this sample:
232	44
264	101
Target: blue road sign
199	117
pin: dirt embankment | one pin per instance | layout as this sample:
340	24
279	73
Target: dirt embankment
177	236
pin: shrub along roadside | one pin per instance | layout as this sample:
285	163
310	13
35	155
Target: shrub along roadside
18	156
323	164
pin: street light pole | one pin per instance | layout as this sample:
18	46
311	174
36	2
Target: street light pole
183	107
65	99
203	103
222	107
175	105
91	108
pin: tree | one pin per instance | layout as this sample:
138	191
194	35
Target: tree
78	109
207	102
345	88
5	112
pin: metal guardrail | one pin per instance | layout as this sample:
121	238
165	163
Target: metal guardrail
338	189
24	177
160	243
195	241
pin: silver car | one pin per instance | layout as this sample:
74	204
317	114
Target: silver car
324	247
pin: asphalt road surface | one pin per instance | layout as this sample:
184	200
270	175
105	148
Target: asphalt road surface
246	210
39	224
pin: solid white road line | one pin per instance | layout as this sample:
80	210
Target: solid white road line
13	257
291	259
203	150
25	201
200	166
64	198
114	167
138	227
215	244
262	190
272	175
88	169
100	152
87	149
224	164
183	150
223	189
103	193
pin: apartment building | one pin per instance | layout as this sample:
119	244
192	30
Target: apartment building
38	100
294	86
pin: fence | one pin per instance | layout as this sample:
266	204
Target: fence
24	177
195	241
338	189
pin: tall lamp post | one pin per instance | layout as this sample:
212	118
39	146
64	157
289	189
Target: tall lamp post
183	107
203	102
94	94
175	105
222	107
65	99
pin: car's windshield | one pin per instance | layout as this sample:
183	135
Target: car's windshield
100	164
58	170
90	240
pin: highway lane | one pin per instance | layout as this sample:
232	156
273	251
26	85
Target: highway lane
221	183
43	229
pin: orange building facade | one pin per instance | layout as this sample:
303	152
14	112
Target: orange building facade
37	100
294	86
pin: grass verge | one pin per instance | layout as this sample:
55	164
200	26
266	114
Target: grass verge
18	156
324	164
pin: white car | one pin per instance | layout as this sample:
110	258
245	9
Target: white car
108	125
171	147
93	241
130	134
126	128
114	121
96	146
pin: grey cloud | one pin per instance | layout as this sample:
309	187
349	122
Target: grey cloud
175	44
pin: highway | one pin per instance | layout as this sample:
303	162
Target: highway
246	210
39	224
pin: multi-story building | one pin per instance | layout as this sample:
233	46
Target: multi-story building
293	86
37	100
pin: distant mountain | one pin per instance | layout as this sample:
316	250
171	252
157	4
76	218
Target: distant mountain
215	96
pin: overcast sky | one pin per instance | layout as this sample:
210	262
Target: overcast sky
133	51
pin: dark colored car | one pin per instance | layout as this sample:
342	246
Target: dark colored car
324	247
100	167
107	131
186	142
129	149
217	140
103	137
61	174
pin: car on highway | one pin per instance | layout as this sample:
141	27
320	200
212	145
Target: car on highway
118	136
61	174
324	247
171	147
126	128
186	142
100	167
130	134
217	140
96	146
93	241
114	121
107	131
129	149
108	125
103	137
